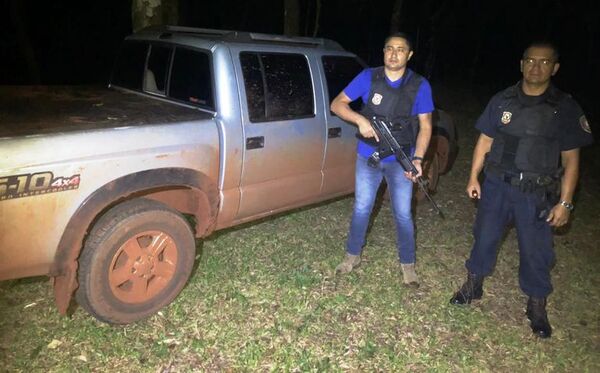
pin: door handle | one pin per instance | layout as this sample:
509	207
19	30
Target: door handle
334	132
255	142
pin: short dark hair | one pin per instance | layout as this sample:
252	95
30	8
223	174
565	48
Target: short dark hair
543	44
400	35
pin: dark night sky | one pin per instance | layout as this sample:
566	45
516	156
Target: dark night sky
476	43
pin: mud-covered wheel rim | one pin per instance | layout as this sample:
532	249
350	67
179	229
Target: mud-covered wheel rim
143	266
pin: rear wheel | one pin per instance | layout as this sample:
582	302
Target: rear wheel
136	260
431	173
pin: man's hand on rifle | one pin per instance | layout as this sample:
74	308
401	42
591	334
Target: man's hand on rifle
365	128
418	166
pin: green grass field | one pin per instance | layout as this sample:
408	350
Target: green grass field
264	297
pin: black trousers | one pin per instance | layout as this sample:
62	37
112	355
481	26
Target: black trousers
500	205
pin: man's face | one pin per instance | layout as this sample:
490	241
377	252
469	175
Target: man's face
396	54
538	65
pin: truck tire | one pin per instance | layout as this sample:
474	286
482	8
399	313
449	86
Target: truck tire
431	173
136	260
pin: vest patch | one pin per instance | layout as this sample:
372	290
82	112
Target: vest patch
585	125
506	117
376	100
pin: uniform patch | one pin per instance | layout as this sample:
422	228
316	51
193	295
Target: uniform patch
585	125
376	100
506	117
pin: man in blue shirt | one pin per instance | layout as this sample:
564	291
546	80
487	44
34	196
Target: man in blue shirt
528	149
404	98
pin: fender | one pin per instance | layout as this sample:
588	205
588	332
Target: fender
187	190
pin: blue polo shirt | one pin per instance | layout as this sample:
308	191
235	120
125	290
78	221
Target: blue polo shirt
360	86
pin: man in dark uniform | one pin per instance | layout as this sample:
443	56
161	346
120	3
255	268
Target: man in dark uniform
404	98
529	150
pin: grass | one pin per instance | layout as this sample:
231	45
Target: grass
264	297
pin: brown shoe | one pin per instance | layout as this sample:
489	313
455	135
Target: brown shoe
409	275
348	264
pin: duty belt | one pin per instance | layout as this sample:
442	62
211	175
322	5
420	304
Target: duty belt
516	178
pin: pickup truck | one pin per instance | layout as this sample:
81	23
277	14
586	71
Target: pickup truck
104	189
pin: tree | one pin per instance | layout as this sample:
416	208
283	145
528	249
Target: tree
315	30
396	16
24	45
291	17
146	13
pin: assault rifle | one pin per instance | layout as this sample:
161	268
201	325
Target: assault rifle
384	134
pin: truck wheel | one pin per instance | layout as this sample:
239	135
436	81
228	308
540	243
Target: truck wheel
136	260
431	172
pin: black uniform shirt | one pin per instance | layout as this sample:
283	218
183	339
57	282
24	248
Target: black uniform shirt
574	129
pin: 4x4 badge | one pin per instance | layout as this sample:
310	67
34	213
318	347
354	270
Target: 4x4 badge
28	185
506	117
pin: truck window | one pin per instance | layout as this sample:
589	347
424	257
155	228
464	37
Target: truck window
339	71
129	68
278	86
155	75
191	79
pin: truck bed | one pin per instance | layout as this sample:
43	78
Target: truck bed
28	110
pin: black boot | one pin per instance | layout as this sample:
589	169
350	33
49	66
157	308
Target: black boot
536	313
471	289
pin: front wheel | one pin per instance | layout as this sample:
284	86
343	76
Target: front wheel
136	260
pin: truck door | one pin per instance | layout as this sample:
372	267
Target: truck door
340	158
284	141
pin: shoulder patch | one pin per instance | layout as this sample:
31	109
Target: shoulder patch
585	125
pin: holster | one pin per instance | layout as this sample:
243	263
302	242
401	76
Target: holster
545	187
548	199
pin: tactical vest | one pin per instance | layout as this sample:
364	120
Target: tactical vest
395	104
527	137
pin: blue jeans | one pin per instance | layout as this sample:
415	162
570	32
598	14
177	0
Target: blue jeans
501	204
367	183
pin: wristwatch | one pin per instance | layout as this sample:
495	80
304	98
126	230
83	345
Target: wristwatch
415	158
567	205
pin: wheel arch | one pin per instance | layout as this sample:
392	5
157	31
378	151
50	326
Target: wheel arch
185	190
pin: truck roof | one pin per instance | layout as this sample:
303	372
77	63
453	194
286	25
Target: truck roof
244	37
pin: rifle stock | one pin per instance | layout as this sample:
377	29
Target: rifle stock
382	128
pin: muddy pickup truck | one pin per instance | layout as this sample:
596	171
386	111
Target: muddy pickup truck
105	189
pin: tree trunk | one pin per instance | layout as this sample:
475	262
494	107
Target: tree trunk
317	18
291	17
146	13
396	15
23	43
441	11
